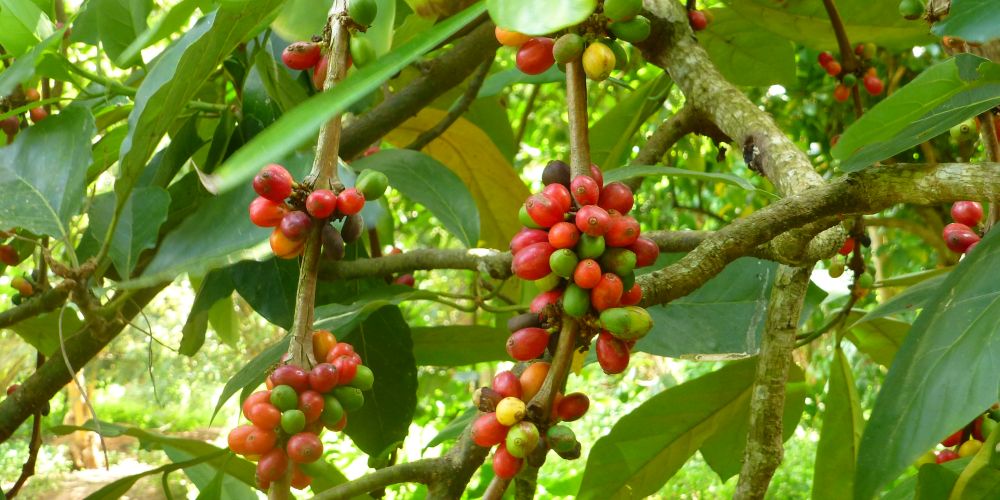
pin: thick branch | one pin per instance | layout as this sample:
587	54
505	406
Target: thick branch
421	471
686	121
444	73
47	301
764	451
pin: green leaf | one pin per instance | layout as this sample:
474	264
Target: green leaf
23	68
909	300
225	323
196	55
879	338
335	317
934	482
943	95
302	123
285	91
301	19
459	345
138	225
253	373
907	488
42	331
454	428
612	137
495	83
202	475
216	286
913	278
119	22
806	22
269	287
175	19
724	449
118	488
649	445
722	319
621	174
384	344
746	54
426	181
943	375
833	474
22	25
970	20
524	15
37	196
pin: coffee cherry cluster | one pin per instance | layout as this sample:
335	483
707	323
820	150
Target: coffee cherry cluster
305	56
596	44
968	440
505	421
292	209
842	92
581	248
287	419
12	124
960	236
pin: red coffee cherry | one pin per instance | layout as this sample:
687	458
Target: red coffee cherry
535	56
292	376
825	58
697	20
573	406
323	377
487	431
311	403
38	114
593	220
321	203
273	182
259	441
13	388
267	213
8	255
338	350
527	343
945	456
532	378
563	234
253	399
319	72
545	298
623	232
265	416
350	201
300	480
559	195
543	210
833	69
612	354
607	293
958	239
616	196
967	212
632	296
585	190
505	465
953	440
847	247
532	262
31	94
587	274
406	280
646	252
10	125
272	465
507	384
295	225
301	55
874	85
347	368
595	173
304	448
841	93
237	439
528	236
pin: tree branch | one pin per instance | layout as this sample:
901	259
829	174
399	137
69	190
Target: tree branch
47	301
457	110
444	73
421	471
764	449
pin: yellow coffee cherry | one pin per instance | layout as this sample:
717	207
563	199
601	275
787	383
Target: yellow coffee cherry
598	61
510	411
969	448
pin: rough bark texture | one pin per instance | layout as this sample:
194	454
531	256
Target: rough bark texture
764	449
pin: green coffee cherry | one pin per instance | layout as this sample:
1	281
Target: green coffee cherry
372	184
850	80
560	438
522	439
964	131
350	398
525	219
333	411
576	301
628	281
590	247
634	30
547	283
284	397
563	262
836	269
621	57
362	12
866	280
620	261
364	379
627	323
293	421
568	48
911	9
362	51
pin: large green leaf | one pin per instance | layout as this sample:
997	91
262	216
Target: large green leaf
174	20
879	338
426	181
384	344
944	374
833	475
972	20
216	286
909	300
196	55
347	316
620	174
119	22
724	449
907	488
42	173
119	487
943	95
138	225
649	445
203	475
22	25
269	287
500	80
612	137
725	317
42	331
302	123
459	345
528	17
746	54
23	68
806	22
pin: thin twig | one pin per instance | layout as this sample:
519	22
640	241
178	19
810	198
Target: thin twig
529	107
456	110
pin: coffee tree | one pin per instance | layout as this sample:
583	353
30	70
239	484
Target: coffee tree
689	172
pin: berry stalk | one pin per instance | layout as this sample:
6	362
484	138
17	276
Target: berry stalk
576	101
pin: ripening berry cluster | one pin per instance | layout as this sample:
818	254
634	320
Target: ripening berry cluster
287	419
305	56
968	440
600	52
292	209
842	92
960	236
506	423
12	124
581	248
24	284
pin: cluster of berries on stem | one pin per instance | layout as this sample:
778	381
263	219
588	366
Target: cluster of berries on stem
308	55
846	81
961	235
12	124
968	440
